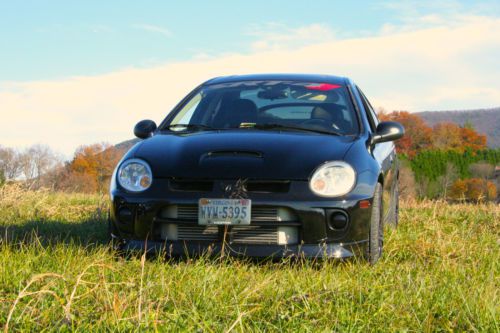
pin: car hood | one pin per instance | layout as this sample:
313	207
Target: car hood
240	153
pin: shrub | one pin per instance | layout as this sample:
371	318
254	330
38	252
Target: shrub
474	189
482	170
2	178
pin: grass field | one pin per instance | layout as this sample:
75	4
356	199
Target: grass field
440	272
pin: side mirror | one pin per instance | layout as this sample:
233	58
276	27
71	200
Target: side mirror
144	129
388	131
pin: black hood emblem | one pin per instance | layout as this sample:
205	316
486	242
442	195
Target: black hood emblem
237	190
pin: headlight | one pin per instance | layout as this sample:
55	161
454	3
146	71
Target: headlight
333	179
135	175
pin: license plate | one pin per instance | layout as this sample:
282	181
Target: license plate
224	211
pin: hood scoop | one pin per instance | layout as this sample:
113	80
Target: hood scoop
233	153
231	163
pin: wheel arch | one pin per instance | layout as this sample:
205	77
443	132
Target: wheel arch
380	179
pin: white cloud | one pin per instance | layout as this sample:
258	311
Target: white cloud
278	36
442	67
154	28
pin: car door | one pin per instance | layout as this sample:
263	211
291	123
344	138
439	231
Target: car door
385	154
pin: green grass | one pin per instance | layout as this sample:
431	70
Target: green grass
439	272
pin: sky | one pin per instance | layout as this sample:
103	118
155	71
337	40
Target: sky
74	73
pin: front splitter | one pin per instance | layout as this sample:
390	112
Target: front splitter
178	248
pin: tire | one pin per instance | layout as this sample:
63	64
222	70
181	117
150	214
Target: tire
394	213
376	238
396	205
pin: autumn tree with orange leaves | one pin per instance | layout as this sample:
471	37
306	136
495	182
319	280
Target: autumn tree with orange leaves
473	140
473	189
453	137
417	136
93	165
443	136
439	158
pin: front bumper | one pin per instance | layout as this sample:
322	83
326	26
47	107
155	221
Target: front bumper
192	249
141	230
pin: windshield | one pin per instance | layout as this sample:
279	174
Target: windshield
322	107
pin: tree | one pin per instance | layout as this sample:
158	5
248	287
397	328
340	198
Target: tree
36	161
472	140
407	185
446	180
473	189
2	178
450	136
417	136
95	163
69	180
447	136
458	190
482	170
443	136
10	163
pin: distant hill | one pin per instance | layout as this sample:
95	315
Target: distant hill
484	121
126	145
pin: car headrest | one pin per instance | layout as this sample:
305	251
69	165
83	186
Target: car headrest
243	110
329	112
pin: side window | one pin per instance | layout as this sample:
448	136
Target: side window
370	112
184	116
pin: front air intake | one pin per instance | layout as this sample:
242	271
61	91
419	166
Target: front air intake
234	153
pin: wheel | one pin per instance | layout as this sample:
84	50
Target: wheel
394	213
376	238
395	220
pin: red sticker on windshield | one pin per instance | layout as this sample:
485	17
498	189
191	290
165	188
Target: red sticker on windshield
323	86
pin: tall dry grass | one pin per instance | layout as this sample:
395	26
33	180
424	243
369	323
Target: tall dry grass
439	272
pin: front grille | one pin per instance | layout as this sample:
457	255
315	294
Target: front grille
187	212
268	186
191	185
248	234
254	235
268	226
259	213
265	214
204	185
199	233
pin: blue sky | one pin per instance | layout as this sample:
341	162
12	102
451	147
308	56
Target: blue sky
56	39
74	73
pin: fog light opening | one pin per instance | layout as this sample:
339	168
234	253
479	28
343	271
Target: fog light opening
338	221
169	232
288	235
125	216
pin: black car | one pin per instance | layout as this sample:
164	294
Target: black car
262	166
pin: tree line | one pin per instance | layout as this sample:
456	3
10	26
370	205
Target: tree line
444	161
39	166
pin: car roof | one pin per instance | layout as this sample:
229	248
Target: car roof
279	77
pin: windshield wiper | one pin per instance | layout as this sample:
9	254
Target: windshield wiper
298	128
190	126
